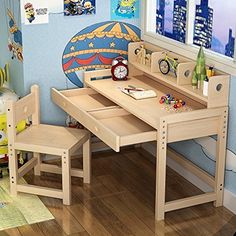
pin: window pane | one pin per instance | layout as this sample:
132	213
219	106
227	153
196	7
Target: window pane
171	19
215	23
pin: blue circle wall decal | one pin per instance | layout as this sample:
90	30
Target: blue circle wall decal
96	46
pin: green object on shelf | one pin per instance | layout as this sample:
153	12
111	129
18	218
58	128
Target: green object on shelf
199	73
194	80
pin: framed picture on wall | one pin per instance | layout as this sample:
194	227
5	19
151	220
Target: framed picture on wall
79	7
121	9
35	12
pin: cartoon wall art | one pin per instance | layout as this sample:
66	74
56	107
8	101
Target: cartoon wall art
29	12
35	12
79	7
14	38
96	46
124	9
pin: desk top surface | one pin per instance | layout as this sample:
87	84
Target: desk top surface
149	110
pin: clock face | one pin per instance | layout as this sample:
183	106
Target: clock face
120	72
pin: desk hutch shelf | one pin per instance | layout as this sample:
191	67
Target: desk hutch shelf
119	120
218	84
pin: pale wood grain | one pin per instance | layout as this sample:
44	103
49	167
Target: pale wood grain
46	139
117	128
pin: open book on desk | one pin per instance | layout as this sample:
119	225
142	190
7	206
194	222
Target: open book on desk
139	93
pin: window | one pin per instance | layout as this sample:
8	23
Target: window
184	25
171	19
214	25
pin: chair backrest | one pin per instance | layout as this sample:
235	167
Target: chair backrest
22	109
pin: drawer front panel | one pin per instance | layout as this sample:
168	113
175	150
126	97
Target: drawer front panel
192	129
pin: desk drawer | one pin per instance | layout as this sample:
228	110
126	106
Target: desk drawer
112	124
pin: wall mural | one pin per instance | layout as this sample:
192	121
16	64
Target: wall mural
96	46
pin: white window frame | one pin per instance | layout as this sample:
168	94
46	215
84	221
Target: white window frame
188	49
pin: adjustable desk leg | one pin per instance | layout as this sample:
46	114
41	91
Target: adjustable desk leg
220	159
161	171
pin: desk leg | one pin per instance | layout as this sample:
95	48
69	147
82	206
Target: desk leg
220	159
161	171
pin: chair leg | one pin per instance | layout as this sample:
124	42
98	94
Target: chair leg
87	161
66	178
13	170
37	170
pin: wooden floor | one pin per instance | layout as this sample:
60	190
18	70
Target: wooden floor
120	201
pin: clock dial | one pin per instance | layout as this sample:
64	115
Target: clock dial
120	72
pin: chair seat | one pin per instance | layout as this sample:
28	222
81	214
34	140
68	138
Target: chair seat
48	137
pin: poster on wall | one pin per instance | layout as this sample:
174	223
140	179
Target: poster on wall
127	9
35	12
79	7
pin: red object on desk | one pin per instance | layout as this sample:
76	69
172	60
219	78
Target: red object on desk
119	69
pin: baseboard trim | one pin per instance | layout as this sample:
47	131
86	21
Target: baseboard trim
229	197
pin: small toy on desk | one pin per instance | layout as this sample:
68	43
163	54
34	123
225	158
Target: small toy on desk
148	59
168	64
141	54
119	69
172	101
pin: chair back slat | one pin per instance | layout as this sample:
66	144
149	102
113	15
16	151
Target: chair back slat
24	108
36	114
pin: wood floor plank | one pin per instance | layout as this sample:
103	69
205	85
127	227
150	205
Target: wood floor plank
107	217
62	215
88	220
120	201
51	228
29	230
80	234
123	172
126	216
66	220
10	232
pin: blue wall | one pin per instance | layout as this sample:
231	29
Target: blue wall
43	49
232	117
16	67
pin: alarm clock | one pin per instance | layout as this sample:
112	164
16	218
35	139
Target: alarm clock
119	69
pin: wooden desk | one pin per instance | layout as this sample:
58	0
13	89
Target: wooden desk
120	120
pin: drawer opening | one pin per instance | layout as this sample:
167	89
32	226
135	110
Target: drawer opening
88	99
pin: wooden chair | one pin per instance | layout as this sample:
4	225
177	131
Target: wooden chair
44	139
